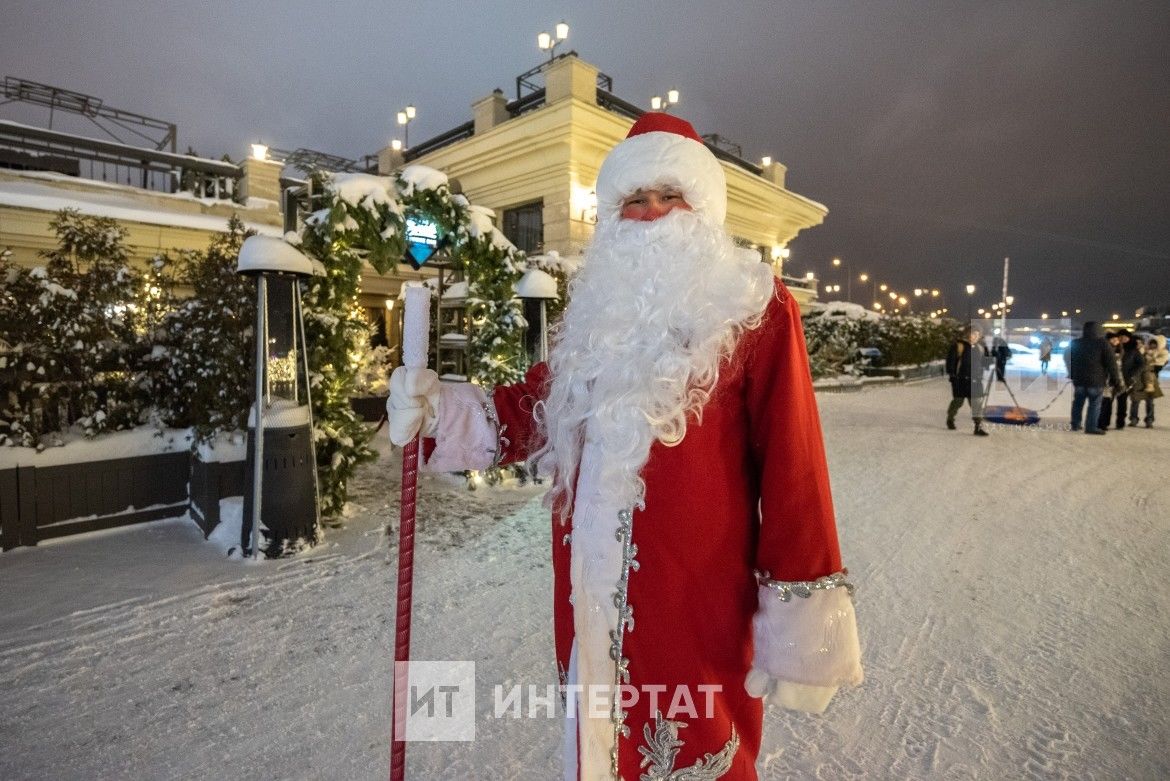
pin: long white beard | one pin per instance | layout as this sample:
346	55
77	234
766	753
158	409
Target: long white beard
653	313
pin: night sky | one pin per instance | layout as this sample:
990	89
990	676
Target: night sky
941	136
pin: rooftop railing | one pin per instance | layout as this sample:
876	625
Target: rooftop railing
34	148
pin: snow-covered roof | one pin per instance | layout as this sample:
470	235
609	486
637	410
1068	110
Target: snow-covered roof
119	202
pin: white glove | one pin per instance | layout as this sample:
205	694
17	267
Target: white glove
413	406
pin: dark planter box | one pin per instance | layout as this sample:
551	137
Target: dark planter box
371	409
39	503
211	482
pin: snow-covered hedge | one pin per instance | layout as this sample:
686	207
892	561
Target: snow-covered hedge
835	332
204	343
72	336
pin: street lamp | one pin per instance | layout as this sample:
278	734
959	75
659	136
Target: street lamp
970	292
848	279
658	103
549	43
873	288
405	117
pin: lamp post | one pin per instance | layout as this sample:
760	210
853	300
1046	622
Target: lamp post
549	42
282	495
538	287
405	117
866	278
970	293
848	279
658	103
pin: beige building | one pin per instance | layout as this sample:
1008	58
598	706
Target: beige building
535	160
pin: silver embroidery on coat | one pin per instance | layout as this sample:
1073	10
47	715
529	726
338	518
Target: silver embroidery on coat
804	588
625	623
661	752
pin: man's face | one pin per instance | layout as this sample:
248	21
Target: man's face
649	205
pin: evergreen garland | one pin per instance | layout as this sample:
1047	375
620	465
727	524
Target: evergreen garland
362	219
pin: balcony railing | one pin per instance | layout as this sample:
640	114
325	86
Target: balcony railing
34	148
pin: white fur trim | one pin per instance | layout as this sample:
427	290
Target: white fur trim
464	436
661	158
595	569
809	640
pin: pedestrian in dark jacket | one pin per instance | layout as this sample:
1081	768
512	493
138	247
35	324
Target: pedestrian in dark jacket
1132	363
965	362
1106	415
1091	366
1003	354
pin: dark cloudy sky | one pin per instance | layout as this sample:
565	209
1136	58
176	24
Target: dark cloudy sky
942	136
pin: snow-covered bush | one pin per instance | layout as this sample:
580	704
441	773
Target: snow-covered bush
495	350
910	340
205	342
834	332
373	371
73	354
832	346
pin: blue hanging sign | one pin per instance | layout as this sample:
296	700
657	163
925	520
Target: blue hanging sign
423	239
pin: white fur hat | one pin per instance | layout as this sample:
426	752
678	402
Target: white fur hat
662	149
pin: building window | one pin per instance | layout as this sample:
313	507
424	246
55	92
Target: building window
524	226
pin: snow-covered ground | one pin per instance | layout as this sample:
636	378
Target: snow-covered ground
1011	598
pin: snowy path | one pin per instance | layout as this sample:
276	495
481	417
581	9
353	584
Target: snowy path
1013	617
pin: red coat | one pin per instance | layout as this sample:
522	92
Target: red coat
747	489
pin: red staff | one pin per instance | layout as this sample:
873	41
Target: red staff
415	332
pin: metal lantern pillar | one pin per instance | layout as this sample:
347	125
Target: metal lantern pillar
540	287
282	496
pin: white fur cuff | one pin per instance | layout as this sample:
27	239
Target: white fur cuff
808	640
466	438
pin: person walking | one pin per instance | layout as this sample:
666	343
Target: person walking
1045	354
965	360
1091	366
